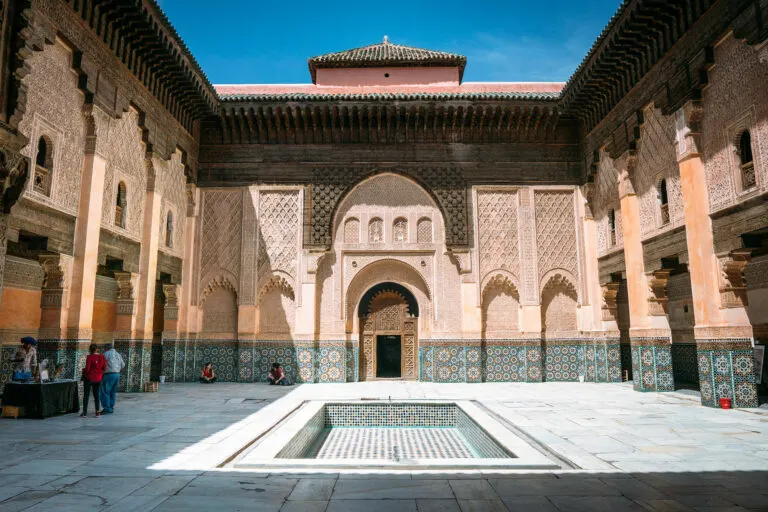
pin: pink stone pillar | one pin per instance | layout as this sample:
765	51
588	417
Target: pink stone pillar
188	309
150	241
86	242
650	335
591	308
54	298
723	331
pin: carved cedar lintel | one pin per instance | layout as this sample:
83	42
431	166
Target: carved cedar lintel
733	286
610	305
658	299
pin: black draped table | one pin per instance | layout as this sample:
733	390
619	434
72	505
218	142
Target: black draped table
43	400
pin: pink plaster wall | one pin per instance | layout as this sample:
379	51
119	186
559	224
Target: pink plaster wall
365	77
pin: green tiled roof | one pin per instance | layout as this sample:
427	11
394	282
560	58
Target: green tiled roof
386	54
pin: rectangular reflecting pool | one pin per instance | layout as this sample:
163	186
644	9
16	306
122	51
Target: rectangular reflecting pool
392	435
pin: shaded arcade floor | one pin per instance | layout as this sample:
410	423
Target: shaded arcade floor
160	451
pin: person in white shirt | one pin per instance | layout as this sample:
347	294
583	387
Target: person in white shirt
111	379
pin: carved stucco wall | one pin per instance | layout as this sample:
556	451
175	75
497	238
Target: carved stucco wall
656	160
558	307
54	109
119	141
606	199
171	183
556	232
389	197
497	237
734	99
500	308
220	237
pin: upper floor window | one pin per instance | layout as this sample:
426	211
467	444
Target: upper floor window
43	166
121	203
663	201
169	230
748	179
352	231
612	227
376	230
424	230
400	230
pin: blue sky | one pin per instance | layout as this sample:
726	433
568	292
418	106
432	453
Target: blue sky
244	41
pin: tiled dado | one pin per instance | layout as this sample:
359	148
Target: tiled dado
518	360
250	360
652	364
70	353
727	370
137	355
596	360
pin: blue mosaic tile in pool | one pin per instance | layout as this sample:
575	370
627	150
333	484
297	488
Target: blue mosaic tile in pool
727	370
652	364
384	430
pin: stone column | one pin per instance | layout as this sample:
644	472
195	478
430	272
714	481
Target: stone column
86	249
530	299
14	170
590	311
139	344
125	318
723	332
649	333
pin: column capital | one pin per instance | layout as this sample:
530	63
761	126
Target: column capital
610	292
733	286
313	260
688	130
90	129
126	285
658	299
171	307
626	166
56	268
193	203
588	193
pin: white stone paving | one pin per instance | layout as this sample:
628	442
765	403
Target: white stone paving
160	451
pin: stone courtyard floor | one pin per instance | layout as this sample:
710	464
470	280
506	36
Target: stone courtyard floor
162	452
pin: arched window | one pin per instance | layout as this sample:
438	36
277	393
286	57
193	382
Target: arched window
352	231
663	201
169	230
400	230
121	202
612	227
376	230
43	166
424	231
748	179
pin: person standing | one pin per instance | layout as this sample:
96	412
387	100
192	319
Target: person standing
111	379
95	364
25	359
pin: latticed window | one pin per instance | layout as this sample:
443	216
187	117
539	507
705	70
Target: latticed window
121	203
376	230
748	179
400	230
424	231
612	227
352	231
169	230
43	166
663	202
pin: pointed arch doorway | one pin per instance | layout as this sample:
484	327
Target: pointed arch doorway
389	316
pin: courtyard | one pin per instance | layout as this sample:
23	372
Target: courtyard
173	450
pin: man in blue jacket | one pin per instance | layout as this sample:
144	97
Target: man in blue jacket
108	390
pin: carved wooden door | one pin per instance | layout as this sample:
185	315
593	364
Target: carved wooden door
388	315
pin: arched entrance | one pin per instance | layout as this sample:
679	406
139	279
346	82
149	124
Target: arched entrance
388	333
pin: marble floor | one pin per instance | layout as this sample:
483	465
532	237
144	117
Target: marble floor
169	451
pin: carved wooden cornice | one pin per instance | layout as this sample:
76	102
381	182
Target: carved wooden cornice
372	120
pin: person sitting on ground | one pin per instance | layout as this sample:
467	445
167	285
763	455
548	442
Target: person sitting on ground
207	375
93	373
277	376
25	359
111	379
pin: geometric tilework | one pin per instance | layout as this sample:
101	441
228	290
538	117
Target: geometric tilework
594	360
685	362
726	372
379	443
652	365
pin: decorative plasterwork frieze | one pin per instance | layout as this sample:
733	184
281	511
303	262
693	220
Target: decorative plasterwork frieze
658	298
610	292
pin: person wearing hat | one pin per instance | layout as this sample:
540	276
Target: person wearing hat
25	359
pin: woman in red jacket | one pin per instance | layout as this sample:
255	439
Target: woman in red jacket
95	364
